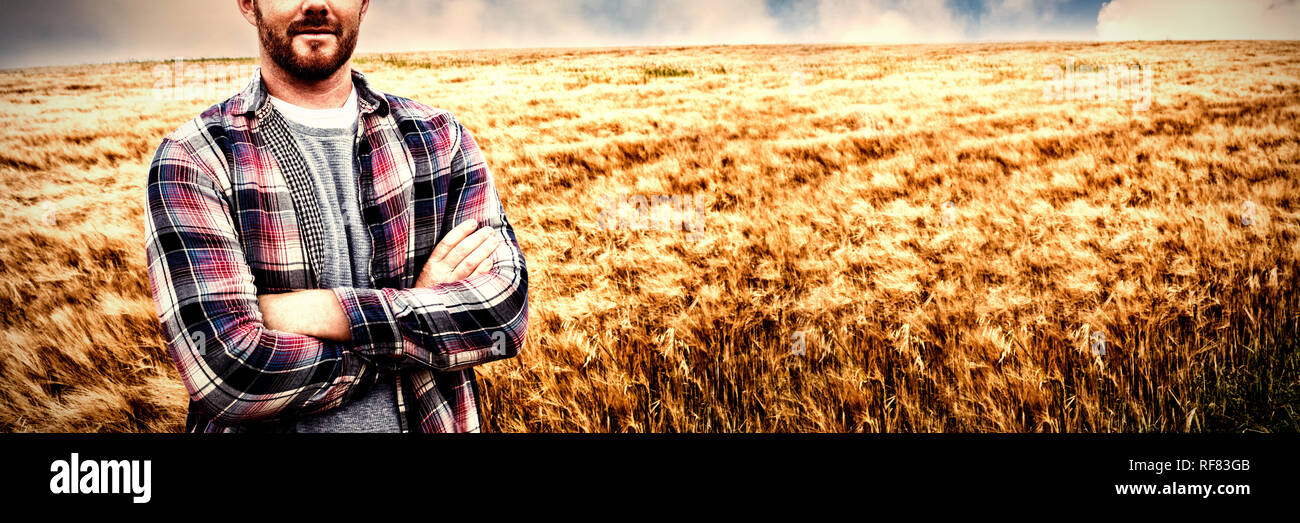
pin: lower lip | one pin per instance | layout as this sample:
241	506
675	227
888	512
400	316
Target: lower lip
315	35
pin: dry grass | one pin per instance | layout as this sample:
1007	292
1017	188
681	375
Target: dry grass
826	170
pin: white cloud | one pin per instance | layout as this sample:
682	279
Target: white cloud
1199	20
877	21
527	23
712	22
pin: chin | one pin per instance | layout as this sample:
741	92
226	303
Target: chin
323	52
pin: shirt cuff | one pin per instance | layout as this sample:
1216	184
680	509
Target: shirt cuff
371	322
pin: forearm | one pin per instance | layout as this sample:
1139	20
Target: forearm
395	342
245	372
316	313
446	326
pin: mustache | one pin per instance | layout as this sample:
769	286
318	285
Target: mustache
315	24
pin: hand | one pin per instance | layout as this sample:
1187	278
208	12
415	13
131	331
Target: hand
460	255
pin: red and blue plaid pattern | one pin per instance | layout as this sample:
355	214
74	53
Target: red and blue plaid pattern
230	215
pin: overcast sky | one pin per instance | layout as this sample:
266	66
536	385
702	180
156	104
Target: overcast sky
50	32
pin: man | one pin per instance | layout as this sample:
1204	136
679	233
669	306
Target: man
290	237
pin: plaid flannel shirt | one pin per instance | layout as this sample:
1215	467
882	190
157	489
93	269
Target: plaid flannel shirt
230	214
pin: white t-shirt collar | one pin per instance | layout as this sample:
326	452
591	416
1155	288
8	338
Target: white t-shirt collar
338	118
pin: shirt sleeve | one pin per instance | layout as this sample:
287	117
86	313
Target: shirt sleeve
235	369
458	324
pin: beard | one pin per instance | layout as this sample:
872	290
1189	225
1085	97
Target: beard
317	65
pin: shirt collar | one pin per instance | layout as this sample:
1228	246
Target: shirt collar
253	99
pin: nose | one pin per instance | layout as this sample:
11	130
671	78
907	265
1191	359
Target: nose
315	8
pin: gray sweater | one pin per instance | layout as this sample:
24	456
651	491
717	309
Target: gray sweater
329	156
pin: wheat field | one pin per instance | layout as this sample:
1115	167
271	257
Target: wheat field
883	238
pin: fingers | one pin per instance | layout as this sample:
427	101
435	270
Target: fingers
462	253
466	246
477	257
485	266
452	238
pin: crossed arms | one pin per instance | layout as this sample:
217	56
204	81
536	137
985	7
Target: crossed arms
464	252
247	358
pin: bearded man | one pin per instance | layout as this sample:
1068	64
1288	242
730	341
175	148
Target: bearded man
325	257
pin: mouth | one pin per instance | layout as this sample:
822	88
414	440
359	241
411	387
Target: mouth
316	32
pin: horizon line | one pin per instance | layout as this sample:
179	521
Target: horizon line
657	46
